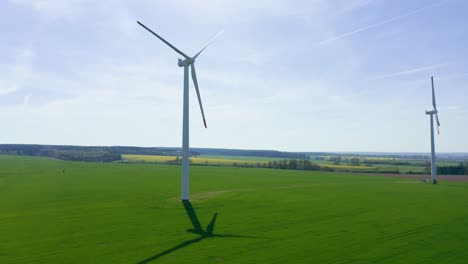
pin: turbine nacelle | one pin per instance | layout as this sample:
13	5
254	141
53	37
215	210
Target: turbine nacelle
186	62
432	112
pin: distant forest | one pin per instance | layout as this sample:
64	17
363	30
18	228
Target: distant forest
114	153
460	169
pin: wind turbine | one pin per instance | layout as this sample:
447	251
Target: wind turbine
186	63
432	113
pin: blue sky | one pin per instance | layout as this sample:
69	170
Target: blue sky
321	75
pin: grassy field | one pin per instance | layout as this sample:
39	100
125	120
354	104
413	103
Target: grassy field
54	211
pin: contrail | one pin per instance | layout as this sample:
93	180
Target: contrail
410	71
395	18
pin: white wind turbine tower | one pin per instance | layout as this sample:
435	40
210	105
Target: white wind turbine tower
188	61
432	113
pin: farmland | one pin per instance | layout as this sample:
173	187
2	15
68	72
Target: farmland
54	211
202	160
378	165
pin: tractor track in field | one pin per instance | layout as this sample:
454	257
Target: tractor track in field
450	178
207	195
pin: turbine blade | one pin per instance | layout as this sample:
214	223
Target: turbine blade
433	94
210	227
225	235
195	82
209	42
438	123
172	249
163	40
193	217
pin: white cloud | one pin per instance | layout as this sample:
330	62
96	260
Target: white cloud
56	9
13	74
26	99
6	88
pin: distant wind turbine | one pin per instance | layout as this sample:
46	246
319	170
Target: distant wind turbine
188	61
432	113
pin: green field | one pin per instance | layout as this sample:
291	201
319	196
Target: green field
55	211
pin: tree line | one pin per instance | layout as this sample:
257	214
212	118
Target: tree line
73	153
291	164
460	169
39	150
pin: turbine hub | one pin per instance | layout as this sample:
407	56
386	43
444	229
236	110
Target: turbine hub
186	62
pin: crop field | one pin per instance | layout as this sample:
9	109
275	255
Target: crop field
231	160
253	161
201	160
348	167
54	211
241	158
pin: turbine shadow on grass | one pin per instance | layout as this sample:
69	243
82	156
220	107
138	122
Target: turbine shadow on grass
197	229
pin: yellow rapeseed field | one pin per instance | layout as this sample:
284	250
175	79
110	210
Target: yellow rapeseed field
194	160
